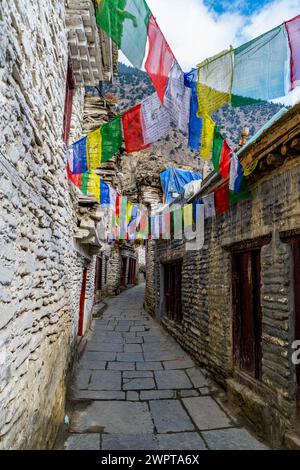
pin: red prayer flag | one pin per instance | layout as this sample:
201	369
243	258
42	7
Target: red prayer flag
160	58
74	178
293	30
118	200
132	130
224	163
222	199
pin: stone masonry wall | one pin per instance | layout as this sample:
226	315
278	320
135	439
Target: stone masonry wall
41	272
206	329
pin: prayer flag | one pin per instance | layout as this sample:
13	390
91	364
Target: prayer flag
214	82
220	154
126	22
160	58
177	98
90	184
104	194
207	137
195	123
260	68
77	157
293	30
188	216
242	195
222	199
236	174
209	205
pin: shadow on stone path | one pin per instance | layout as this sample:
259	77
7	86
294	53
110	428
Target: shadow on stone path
135	388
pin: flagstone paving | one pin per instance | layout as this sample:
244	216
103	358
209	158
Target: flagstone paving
135	388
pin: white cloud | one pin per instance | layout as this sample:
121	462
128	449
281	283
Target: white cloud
272	15
195	32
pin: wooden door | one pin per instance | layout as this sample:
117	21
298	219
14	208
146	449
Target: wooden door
247	311
123	271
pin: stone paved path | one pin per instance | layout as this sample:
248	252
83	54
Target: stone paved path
135	388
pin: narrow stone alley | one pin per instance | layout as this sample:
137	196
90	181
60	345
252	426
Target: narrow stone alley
136	389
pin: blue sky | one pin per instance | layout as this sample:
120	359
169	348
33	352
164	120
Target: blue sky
246	7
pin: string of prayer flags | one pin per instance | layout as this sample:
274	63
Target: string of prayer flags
145	123
293	31
214	82
207	137
221	154
260	67
222	199
195	123
160	58
126	22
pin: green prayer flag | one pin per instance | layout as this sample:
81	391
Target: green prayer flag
217	147
237	101
84	182
242	195
126	22
111	134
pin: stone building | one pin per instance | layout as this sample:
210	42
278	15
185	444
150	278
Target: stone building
235	304
49	236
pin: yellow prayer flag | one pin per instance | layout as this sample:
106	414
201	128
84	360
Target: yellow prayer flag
129	211
188	215
94	186
207	137
94	149
214	82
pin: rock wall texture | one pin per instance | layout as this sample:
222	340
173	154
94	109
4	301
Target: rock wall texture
41	268
206	328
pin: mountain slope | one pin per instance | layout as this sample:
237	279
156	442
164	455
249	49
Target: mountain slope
132	86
